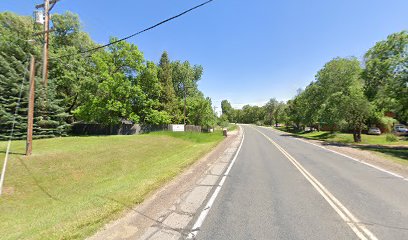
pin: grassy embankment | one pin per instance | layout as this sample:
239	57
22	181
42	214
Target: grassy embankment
396	151
231	127
71	186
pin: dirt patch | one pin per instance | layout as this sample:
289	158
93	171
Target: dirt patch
7	191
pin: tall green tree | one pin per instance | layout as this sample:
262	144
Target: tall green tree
356	109
270	109
227	110
152	89
200	112
168	96
12	73
15	51
185	76
385	75
117	95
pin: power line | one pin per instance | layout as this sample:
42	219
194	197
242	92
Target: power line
135	34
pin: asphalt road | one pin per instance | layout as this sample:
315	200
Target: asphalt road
283	188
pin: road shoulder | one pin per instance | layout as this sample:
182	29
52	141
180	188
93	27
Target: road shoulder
167	213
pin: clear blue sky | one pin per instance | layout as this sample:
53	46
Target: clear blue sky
250	50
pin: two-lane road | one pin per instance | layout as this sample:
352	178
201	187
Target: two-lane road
283	188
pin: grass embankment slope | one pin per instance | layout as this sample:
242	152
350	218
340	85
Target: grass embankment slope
396	151
71	186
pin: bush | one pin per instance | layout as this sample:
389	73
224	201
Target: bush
391	138
386	124
259	123
223	121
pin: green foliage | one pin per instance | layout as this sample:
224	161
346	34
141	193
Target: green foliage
387	123
108	86
200	112
227	110
168	95
15	50
270	110
12	73
185	76
391	138
117	95
223	121
294	111
386	75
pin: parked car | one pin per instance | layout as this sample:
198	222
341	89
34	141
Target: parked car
374	131
399	128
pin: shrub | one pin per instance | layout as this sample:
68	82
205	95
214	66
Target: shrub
386	123
391	138
259	123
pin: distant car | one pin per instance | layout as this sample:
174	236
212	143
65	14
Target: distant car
399	128
374	131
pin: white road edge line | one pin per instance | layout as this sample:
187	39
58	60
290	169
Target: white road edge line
358	228
344	155
206	209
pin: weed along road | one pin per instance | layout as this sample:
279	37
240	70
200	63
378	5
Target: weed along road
283	188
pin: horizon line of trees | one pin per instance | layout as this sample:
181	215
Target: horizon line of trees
346	95
107	86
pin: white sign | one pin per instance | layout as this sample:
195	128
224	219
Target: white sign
176	127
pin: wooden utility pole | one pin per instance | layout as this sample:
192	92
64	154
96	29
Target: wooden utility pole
30	117
48	6
185	103
46	41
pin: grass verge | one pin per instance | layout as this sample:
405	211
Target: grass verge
396	151
231	127
71	186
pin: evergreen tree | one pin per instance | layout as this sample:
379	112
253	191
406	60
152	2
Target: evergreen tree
12	73
168	97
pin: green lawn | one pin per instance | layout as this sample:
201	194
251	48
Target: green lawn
396	151
71	186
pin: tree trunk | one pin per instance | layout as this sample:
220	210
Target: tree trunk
357	135
332	128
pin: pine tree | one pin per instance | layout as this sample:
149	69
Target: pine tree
49	115
168	96
12	73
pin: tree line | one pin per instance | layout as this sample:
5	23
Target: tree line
347	94
107	86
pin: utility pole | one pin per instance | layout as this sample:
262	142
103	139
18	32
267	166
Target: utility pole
47	5
185	103
46	41
30	118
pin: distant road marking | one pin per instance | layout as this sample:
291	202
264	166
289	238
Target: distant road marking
344	155
358	228
204	213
